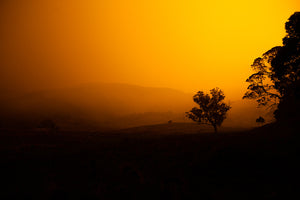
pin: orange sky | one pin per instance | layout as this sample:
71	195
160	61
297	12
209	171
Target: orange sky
188	45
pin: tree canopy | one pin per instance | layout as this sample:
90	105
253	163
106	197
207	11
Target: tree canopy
276	81
212	110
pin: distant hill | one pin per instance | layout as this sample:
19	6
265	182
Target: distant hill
109	106
98	105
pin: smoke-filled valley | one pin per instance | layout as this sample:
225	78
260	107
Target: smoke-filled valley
106	106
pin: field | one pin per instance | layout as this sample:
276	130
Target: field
168	161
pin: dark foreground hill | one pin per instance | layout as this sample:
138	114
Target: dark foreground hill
137	164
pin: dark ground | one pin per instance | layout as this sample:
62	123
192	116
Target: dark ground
138	164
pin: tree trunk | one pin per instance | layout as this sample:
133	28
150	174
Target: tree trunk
215	128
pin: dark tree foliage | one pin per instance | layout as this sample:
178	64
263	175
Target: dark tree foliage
276	81
261	85
212	110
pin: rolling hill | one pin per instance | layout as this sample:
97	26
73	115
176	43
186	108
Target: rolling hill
109	106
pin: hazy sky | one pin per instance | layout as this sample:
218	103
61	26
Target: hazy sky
183	44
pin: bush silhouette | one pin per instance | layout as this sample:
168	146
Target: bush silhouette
260	120
49	125
212	110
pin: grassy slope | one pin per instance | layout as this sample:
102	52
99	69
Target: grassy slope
152	163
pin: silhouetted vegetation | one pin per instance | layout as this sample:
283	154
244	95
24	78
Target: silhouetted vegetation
48	124
276	81
260	120
212	110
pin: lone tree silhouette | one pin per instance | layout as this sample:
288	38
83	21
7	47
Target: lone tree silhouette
212	110
276	81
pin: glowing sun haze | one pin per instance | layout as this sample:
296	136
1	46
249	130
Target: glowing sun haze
183	44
